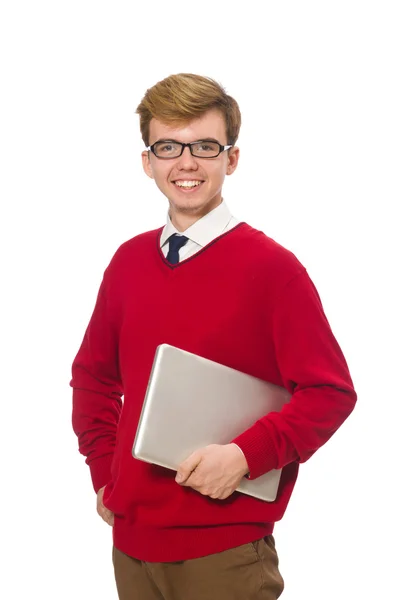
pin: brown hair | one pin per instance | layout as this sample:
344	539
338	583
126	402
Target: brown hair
180	98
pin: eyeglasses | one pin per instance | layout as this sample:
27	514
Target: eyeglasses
200	149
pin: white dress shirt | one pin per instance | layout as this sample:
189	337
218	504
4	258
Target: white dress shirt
201	233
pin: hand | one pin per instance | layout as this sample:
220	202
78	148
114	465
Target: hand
104	512
214	471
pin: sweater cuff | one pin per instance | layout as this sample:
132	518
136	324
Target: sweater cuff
258	449
101	471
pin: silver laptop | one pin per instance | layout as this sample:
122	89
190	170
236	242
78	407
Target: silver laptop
192	402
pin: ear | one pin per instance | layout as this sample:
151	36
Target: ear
147	167
232	160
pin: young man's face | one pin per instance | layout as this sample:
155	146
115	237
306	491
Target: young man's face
170	174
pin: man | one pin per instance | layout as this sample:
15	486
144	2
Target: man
223	290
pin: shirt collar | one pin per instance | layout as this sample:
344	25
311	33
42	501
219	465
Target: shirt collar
203	231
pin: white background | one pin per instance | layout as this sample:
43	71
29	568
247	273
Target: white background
316	84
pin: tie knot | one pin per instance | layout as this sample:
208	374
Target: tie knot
177	241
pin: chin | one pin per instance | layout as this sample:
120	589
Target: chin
186	203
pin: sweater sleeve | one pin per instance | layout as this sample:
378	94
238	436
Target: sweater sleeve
314	370
97	391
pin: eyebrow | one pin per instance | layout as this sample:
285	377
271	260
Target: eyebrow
208	139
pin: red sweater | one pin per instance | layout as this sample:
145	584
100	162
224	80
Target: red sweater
243	301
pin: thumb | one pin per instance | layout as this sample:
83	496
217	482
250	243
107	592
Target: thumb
185	468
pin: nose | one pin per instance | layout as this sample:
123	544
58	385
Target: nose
186	160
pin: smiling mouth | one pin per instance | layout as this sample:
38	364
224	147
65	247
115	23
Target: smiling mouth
187	185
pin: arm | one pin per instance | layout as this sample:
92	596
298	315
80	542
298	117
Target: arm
314	370
97	390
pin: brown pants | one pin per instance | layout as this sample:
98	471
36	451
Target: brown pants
248	572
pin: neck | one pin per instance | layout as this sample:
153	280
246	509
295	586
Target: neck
183	219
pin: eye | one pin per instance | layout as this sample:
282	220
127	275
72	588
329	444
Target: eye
166	147
208	147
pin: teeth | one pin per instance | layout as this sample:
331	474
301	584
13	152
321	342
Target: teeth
187	184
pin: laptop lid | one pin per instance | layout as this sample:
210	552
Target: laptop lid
192	402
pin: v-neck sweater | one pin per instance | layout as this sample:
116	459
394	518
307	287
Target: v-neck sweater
243	301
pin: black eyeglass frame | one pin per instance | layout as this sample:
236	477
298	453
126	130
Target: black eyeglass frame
183	146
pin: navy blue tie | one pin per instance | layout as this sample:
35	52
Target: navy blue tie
176	242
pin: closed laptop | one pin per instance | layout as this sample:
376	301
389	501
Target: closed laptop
192	402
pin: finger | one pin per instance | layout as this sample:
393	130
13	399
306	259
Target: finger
108	516
186	468
104	512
